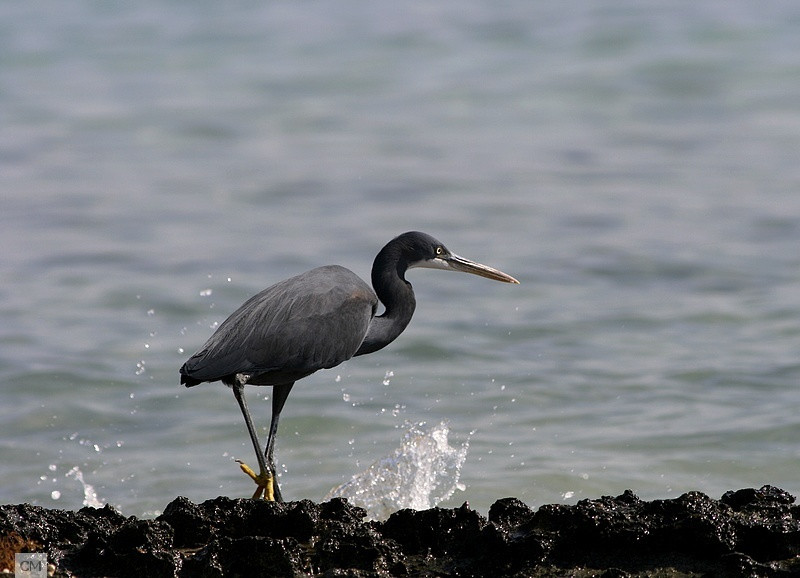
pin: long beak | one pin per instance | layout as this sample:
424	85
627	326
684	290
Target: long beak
457	263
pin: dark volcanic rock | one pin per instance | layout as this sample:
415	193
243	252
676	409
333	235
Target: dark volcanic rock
746	533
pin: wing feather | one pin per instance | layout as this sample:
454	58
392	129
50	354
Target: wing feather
313	321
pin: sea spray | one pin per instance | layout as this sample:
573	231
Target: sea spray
419	474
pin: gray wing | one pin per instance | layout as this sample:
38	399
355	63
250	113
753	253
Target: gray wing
313	321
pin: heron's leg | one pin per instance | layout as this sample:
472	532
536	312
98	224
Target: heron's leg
279	395
264	479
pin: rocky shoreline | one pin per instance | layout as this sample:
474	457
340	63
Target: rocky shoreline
746	533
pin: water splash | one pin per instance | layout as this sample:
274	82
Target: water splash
89	494
419	474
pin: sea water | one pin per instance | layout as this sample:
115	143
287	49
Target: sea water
633	164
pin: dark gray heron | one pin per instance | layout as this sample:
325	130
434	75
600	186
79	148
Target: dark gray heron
314	321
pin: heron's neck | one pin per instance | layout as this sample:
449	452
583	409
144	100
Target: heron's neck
397	297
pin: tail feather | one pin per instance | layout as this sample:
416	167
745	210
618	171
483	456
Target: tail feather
187	379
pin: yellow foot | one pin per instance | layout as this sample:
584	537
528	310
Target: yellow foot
262	480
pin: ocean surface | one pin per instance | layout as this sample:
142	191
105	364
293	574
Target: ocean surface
633	163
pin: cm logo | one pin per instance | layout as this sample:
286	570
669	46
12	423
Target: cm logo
30	565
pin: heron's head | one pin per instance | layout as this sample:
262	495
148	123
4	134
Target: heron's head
421	250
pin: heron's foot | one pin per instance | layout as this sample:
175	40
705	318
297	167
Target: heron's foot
263	480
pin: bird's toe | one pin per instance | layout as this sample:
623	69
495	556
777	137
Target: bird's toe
264	482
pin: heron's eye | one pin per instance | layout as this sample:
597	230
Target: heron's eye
439	250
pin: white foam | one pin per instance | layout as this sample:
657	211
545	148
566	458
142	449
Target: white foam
419	474
89	494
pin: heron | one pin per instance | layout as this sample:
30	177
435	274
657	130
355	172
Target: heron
315	320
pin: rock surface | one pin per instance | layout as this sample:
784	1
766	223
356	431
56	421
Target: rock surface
746	533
